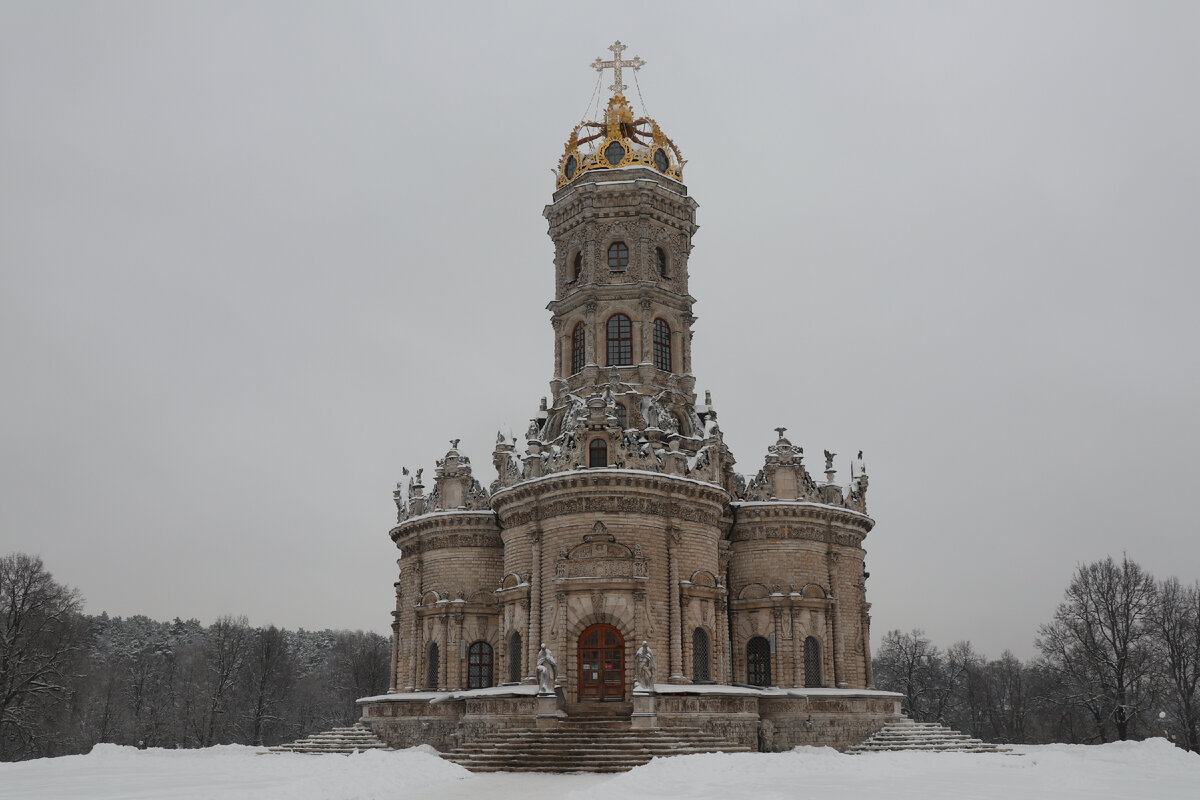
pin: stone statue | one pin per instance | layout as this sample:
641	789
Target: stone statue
645	668
829	460
547	671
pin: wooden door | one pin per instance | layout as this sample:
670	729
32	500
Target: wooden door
601	664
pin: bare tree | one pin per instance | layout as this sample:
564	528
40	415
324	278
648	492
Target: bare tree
40	629
271	678
909	663
1176	623
226	652
1099	642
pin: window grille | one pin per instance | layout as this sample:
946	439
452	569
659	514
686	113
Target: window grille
662	345
622	416
598	453
618	257
431	669
700	658
514	658
758	662
812	662
479	665
620	341
578	348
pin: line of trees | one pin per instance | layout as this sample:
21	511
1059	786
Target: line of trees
1119	660
69	680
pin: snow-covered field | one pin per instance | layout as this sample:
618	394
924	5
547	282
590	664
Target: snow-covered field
1154	770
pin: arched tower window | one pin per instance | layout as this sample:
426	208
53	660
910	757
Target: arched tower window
431	668
622	416
598	453
812	663
578	348
577	267
514	658
662	345
701	661
660	262
618	257
758	662
620	341
479	665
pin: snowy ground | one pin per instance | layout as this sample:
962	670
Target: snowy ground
1153	770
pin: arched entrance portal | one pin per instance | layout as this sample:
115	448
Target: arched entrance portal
601	664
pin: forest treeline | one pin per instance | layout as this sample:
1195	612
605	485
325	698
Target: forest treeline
1119	660
69	680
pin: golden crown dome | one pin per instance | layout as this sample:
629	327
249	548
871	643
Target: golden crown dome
621	140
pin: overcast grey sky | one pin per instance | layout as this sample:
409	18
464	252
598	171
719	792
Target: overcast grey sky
255	258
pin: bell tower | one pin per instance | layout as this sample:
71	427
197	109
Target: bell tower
622	224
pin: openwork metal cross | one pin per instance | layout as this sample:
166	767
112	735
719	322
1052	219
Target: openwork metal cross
616	65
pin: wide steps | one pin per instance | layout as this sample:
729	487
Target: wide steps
346	740
582	749
929	736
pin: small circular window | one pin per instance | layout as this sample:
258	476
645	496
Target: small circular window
618	257
660	261
571	166
660	160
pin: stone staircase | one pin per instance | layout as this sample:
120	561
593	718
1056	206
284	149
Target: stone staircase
351	739
904	734
583	747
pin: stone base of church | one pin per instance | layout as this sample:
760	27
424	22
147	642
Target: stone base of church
768	720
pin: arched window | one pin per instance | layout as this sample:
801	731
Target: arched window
578	348
479	665
812	662
514	658
598	453
620	341
662	345
577	267
431	668
660	261
758	662
618	257
700	658
622	416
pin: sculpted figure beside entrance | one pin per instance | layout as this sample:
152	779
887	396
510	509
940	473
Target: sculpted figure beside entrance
547	671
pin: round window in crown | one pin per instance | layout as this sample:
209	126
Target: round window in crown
661	161
570	167
614	153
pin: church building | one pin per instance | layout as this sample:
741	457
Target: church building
619	567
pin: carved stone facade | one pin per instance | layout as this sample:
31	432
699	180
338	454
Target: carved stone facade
619	510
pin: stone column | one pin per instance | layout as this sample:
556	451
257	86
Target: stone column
686	345
414	651
673	536
721	644
866	645
797	656
561	346
835	643
444	667
647	337
685	639
777	669
529	661
459	679
591	337
535	599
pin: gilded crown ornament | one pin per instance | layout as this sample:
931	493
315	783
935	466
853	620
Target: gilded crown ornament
621	140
